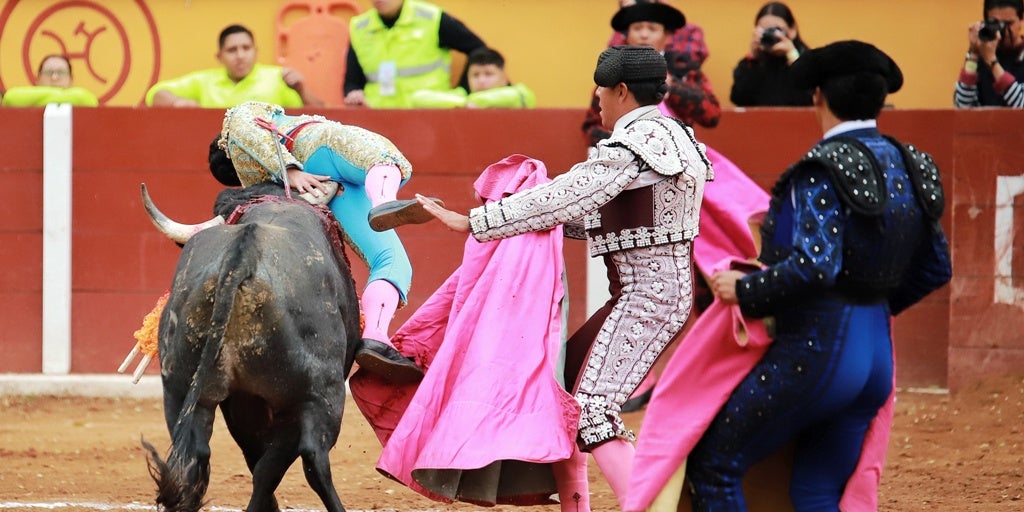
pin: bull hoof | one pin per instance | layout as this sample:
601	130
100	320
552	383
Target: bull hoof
392	214
383	360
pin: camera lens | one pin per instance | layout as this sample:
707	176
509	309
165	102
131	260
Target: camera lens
991	29
771	36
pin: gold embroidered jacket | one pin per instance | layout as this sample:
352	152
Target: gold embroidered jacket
251	147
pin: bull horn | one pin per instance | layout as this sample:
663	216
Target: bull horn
174	230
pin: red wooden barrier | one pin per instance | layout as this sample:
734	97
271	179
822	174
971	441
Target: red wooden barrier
121	265
21	241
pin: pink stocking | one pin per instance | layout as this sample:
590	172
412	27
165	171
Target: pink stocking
573	486
382	183
379	302
615	458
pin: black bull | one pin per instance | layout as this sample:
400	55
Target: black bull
262	320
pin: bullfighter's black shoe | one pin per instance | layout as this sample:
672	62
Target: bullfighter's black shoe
392	214
382	359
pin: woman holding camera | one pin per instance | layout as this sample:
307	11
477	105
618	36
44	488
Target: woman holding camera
761	79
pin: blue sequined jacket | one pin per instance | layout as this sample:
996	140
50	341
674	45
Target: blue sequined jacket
855	221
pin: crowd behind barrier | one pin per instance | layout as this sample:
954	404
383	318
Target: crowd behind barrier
169	39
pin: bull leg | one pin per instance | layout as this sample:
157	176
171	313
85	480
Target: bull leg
320	428
281	452
202	430
247	419
183	479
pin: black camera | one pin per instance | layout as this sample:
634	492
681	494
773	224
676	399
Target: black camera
991	29
770	36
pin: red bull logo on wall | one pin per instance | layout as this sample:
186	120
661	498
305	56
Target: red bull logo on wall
113	47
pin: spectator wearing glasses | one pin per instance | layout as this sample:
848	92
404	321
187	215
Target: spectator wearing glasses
54	84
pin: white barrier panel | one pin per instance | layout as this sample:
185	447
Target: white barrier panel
57	239
1007	190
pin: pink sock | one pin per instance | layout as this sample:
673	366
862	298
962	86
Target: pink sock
379	302
382	183
573	485
615	458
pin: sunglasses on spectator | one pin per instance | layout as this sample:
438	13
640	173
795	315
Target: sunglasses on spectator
56	72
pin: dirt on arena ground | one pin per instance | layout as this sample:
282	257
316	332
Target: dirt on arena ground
959	452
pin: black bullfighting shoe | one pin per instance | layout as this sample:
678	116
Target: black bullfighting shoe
392	214
382	359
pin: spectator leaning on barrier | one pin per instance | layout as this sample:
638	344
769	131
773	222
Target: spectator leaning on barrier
688	40
241	79
993	71
690	97
54	84
400	47
489	87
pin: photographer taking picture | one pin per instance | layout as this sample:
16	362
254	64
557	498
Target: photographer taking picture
761	79
994	66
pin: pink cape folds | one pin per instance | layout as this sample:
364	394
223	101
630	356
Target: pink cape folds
489	416
718	350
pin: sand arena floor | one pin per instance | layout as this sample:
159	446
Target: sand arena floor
962	452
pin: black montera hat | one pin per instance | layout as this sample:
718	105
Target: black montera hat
657	12
221	166
629	64
816	66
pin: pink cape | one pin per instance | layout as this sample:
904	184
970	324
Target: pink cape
490	339
718	351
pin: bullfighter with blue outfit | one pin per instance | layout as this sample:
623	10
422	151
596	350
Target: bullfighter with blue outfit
852	237
263	142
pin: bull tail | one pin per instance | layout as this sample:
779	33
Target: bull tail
183	478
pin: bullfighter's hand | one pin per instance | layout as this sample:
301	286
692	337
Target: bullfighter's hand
723	285
306	182
454	221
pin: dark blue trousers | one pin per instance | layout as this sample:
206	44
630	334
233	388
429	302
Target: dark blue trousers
820	384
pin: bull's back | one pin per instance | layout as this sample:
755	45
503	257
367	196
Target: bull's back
293	310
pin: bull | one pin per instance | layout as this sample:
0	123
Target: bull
263	321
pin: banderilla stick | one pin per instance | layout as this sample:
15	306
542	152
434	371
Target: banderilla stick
140	369
271	127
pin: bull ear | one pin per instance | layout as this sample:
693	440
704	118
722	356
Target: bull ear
176	231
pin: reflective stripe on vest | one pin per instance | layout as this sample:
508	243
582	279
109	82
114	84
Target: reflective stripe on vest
412	44
412	70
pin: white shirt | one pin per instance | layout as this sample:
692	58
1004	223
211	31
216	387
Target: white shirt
849	126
